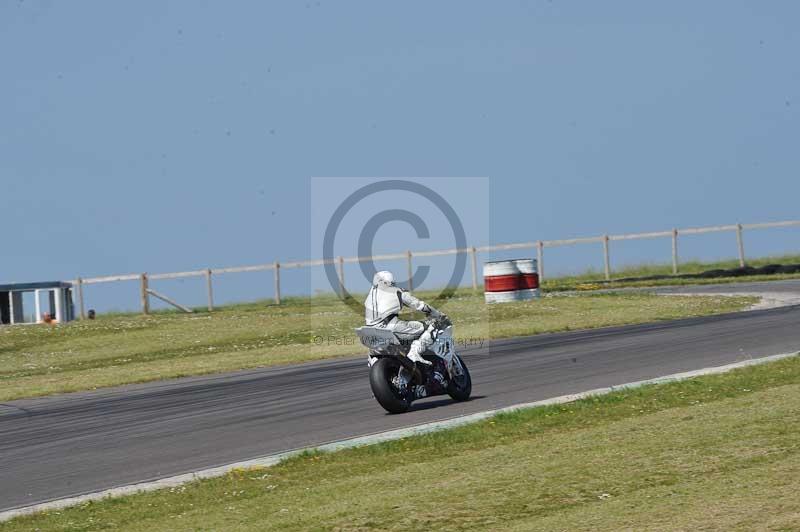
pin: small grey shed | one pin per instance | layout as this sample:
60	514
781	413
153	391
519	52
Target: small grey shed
59	301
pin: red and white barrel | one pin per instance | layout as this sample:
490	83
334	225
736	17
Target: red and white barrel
529	278
510	280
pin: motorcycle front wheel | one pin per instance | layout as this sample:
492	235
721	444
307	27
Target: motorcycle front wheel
460	387
388	396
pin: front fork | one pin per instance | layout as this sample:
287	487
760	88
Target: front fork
455	368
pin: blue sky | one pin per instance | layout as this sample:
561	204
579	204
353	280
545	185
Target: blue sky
163	136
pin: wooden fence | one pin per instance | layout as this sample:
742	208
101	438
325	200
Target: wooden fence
339	262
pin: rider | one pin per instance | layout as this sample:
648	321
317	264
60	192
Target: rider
382	306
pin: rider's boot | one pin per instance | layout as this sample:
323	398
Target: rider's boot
415	353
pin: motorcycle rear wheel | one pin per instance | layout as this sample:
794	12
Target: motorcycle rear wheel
380	380
460	388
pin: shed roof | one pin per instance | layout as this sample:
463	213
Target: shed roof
19	287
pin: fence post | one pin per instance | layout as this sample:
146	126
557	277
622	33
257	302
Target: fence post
740	241
145	296
341	276
674	252
410	271
81	303
474	268
277	267
540	259
606	261
209	290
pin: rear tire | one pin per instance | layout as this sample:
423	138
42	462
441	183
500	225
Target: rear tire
460	388
380	380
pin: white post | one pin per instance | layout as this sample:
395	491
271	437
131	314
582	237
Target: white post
59	305
606	261
277	266
540	259
674	252
81	304
11	308
740	241
144	296
37	305
474	253
341	276
209	290
410	271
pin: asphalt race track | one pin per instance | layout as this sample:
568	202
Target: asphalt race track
79	443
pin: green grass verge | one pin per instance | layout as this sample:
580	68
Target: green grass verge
119	349
718	452
589	279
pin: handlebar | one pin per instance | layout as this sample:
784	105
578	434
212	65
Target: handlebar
442	322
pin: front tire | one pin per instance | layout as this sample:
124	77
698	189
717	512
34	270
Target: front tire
460	388
380	380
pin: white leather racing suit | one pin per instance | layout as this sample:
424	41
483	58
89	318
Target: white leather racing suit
382	306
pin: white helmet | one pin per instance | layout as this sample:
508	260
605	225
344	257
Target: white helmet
383	280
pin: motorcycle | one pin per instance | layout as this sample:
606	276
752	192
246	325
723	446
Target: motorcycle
396	381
